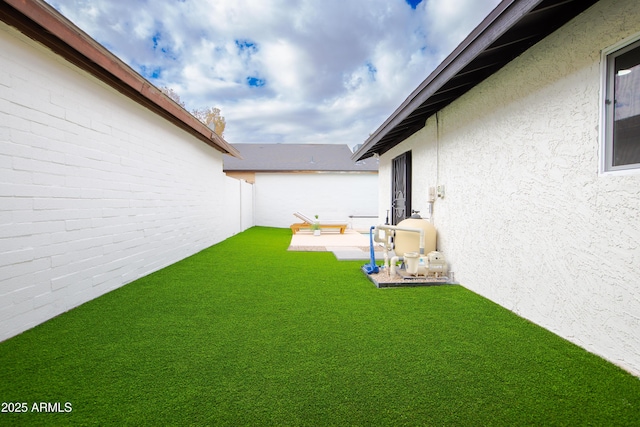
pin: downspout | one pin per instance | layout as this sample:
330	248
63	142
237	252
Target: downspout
437	147
432	190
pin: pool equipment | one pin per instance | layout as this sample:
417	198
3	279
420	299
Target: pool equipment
413	234
371	267
433	264
406	241
414	243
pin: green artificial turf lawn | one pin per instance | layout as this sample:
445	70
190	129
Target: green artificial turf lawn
246	333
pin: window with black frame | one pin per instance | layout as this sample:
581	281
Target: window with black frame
622	106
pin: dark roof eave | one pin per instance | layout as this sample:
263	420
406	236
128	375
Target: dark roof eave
293	171
40	22
521	23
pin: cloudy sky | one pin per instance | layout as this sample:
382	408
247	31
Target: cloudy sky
288	71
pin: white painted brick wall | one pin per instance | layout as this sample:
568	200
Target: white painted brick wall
527	221
95	190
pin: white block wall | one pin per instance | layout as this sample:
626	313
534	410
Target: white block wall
95	190
527	220
332	196
237	205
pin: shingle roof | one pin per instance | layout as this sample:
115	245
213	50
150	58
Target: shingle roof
297	158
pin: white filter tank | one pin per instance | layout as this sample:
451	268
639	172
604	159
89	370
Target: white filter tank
406	241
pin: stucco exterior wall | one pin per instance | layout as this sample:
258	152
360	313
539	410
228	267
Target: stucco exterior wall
527	220
332	196
95	190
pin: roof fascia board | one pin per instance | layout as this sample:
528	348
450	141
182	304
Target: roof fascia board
301	171
503	17
42	23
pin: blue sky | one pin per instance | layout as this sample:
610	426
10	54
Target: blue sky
284	71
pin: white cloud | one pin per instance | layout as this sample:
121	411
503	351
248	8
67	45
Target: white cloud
287	67
329	71
451	21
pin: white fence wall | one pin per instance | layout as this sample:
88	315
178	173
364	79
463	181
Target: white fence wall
246	206
95	190
237	205
332	196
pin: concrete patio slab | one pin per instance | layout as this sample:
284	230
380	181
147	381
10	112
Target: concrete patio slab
382	279
351	245
305	238
345	253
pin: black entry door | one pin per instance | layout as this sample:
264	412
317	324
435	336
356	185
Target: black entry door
401	188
